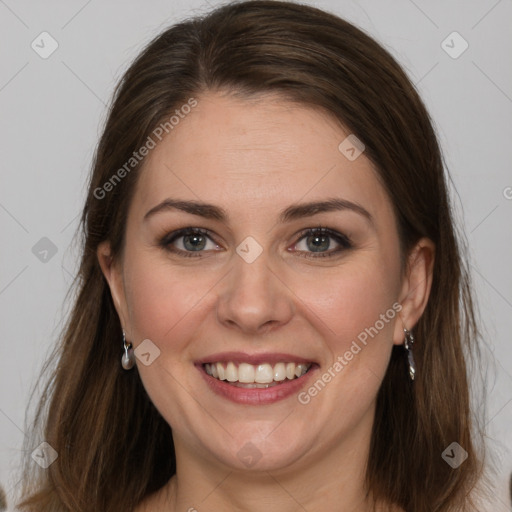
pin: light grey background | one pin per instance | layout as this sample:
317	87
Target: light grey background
51	114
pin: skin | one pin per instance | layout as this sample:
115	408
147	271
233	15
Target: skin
254	157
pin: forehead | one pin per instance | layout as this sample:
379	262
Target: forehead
256	153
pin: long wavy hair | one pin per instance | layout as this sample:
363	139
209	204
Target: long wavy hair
114	448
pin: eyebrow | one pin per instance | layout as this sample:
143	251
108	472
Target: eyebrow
291	213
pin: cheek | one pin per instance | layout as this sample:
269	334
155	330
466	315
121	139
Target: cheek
355	312
162	301
354	307
166	307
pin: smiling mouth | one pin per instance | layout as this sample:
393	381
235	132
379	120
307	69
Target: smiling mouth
245	375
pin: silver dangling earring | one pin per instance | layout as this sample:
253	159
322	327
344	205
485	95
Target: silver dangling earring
408	343
128	358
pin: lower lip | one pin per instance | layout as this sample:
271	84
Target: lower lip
257	396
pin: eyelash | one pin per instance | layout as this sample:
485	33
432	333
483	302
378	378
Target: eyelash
340	238
343	241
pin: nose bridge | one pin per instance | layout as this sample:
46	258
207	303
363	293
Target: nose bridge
253	297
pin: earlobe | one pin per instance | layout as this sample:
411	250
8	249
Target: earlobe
416	286
114	279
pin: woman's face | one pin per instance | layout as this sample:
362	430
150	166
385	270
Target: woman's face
252	294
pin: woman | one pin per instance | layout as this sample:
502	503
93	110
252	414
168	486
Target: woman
273	312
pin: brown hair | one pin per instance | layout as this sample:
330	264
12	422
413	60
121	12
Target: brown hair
114	447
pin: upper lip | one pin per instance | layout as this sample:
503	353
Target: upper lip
254	359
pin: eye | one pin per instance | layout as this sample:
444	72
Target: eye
316	242
313	242
188	241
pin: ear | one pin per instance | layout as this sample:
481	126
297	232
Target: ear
113	274
416	285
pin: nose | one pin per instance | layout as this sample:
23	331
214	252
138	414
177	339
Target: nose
253	299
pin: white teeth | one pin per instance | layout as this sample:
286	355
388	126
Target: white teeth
279	372
264	374
231	373
248	374
300	369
